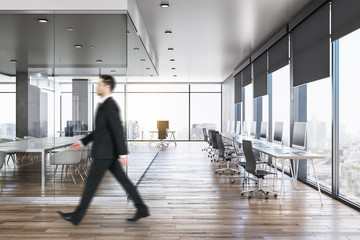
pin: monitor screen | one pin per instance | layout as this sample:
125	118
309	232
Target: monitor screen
278	132
299	135
253	129
238	127
244	130
263	130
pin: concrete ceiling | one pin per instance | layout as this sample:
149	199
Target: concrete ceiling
211	37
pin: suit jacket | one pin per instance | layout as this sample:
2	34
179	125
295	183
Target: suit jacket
108	136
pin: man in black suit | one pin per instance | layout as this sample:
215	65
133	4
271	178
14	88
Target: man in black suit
109	151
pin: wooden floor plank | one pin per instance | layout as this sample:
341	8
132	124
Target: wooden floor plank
187	201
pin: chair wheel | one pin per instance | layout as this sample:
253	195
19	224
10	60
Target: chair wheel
242	193
267	193
239	173
220	173
266	197
275	195
249	196
232	174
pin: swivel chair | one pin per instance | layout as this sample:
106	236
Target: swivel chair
227	158
162	133
252	168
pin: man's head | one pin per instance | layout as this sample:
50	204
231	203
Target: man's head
105	86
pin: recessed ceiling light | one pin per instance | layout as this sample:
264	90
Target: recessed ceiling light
78	46
147	68
91	46
13	61
42	20
168	32
174	75
143	60
136	49
151	75
164	5
173	68
113	71
172	60
70	29
170	49
99	61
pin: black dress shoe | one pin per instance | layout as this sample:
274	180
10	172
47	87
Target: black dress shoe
138	215
68	217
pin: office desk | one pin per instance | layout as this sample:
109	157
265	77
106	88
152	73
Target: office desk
282	153
38	145
170	132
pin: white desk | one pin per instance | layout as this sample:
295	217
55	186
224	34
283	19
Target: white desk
278	151
170	132
39	145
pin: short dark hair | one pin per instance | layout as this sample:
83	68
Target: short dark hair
108	80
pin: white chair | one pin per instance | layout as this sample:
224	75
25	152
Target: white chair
66	158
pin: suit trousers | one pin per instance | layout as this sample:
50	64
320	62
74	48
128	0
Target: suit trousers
96	174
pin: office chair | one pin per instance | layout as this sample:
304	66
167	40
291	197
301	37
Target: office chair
252	167
227	158
162	133
214	155
206	139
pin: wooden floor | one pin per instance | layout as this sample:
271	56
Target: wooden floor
187	201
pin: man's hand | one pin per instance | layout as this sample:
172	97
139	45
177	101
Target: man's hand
76	146
123	161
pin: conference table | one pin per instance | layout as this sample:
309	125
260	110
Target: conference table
282	153
38	145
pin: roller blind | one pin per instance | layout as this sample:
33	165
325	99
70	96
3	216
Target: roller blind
246	75
260	76
279	54
345	17
238	88
311	47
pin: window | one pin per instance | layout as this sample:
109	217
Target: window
205	111
349	127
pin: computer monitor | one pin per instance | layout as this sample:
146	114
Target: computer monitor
238	127
299	135
232	129
278	129
263	130
228	126
253	129
244	130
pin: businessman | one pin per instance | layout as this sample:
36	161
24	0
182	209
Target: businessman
109	151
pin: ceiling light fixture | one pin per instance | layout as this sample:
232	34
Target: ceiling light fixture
174	75
136	49
13	61
173	68
99	61
70	29
78	46
172	60
113	71
168	32
170	49
151	75
143	60
91	46
164	5
42	20
147	68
